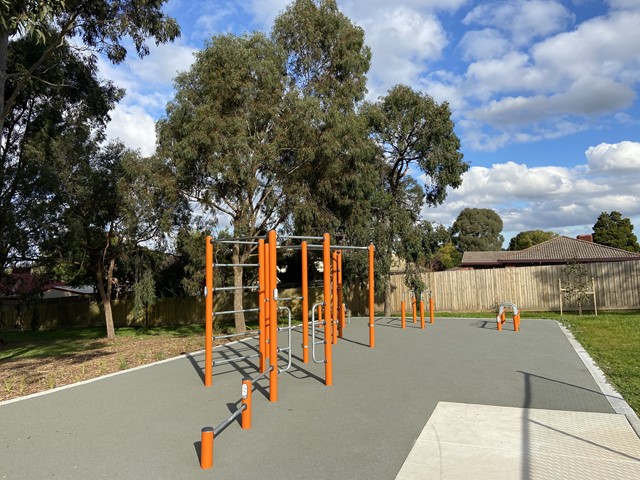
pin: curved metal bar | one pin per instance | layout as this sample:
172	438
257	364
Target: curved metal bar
288	347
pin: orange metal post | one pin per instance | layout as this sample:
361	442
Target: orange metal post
319	314
247	386
499	322
372	339
341	312
421	313
305	304
273	318
208	321
326	274
267	300
516	322
432	310
262	306
334	294
414	307
206	448
403	314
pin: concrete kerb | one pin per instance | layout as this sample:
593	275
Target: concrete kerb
616	401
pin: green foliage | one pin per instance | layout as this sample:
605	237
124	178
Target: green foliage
144	296
477	229
447	256
577	283
529	238
613	230
27	17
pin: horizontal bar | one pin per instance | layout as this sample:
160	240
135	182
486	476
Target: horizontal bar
215	265
232	335
226	312
299	237
228	420
218	240
285	299
234	359
226	289
347	247
231	240
263	374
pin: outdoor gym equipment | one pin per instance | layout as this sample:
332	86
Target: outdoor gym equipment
502	315
334	309
403	313
431	307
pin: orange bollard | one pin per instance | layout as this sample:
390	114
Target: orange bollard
421	314
516	322
413	306
403	314
499	322
247	386
431	310
206	448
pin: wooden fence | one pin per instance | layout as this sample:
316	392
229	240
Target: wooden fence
617	286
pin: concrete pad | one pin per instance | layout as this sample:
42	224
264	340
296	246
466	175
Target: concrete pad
482	441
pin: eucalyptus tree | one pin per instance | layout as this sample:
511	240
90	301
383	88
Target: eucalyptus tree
415	136
477	229
529	238
614	230
54	106
222	135
117	203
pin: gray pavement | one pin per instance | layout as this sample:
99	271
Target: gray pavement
146	423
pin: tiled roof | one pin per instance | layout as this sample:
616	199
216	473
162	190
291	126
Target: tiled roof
557	250
565	248
483	258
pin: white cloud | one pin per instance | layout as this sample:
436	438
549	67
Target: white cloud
160	67
618	157
134	127
523	20
483	44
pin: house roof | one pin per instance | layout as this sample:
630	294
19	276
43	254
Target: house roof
556	250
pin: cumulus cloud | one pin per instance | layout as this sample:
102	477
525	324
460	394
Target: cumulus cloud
522	20
619	157
133	126
483	44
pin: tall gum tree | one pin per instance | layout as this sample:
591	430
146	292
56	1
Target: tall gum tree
413	131
221	133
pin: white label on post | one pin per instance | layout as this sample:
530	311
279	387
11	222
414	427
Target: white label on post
245	391
275	294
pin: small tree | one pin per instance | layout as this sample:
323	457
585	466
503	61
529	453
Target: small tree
613	230
576	284
477	229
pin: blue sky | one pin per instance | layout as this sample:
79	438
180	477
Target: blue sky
544	94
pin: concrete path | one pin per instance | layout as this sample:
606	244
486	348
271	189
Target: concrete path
146	423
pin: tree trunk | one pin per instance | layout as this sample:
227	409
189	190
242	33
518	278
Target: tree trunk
238	294
105	296
387	297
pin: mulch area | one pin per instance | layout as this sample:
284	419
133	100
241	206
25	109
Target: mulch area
25	376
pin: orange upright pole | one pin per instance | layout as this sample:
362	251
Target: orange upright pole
206	448
372	339
305	304
403	314
334	294
341	312
421	312
262	306
431	310
273	318
208	321
414	307
326	274
247	387
267	300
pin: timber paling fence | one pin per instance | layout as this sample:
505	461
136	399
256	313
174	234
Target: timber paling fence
617	286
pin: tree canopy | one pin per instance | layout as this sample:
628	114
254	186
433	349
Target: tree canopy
613	230
529	238
477	229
